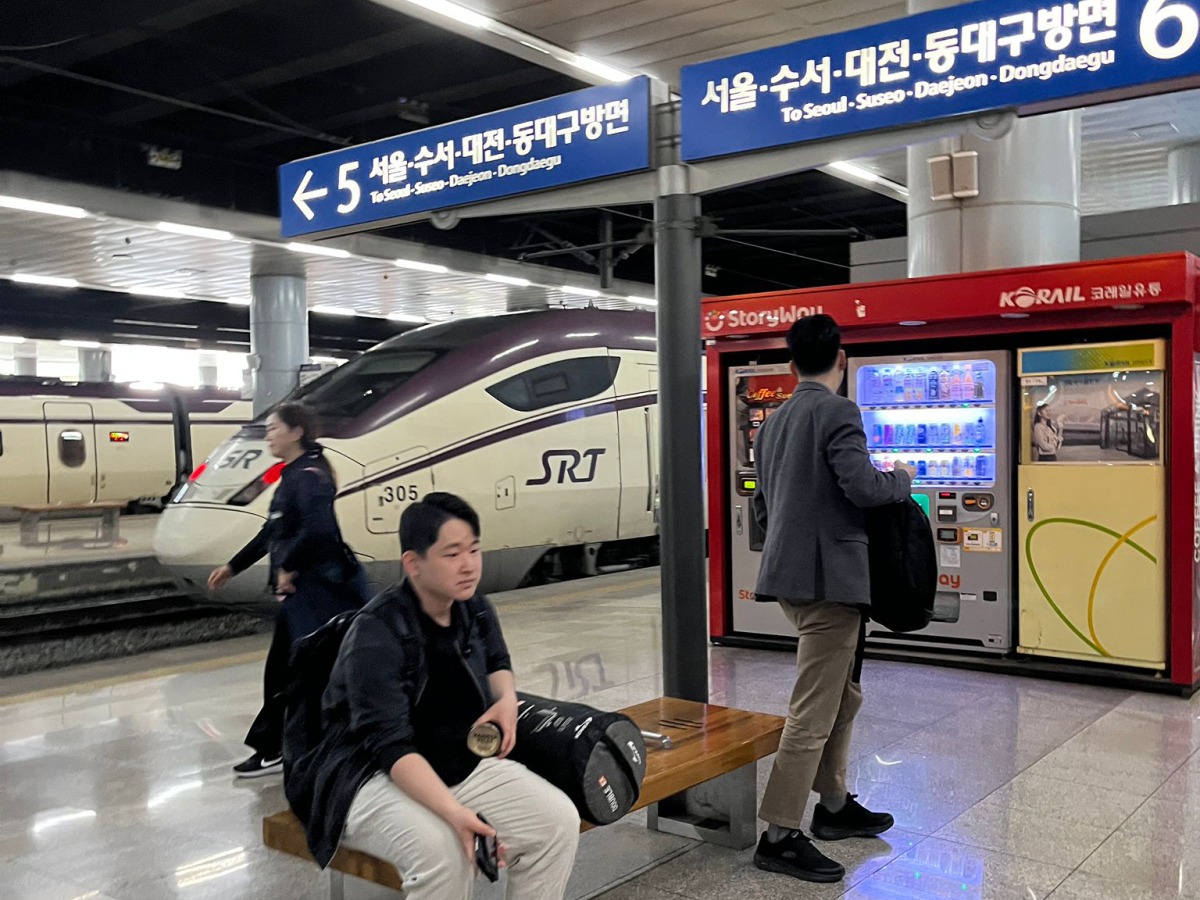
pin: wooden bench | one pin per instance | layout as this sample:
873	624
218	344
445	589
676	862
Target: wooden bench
702	786
32	515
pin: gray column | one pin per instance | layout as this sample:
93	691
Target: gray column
1027	211
278	336
681	521
1183	168
206	366
25	357
95	364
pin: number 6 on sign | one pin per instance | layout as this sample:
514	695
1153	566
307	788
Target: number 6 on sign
1155	15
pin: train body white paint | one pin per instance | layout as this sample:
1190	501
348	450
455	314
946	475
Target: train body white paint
546	422
85	443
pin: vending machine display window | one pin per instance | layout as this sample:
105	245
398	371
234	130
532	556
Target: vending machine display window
1095	417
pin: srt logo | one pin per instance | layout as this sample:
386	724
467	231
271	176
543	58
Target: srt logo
568	463
244	458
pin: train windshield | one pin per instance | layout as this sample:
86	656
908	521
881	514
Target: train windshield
354	388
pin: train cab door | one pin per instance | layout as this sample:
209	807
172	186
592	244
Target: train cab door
654	443
637	425
394	482
70	452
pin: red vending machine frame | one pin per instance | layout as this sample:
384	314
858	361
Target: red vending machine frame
1053	302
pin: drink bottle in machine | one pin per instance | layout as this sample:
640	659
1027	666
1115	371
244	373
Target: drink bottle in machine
951	425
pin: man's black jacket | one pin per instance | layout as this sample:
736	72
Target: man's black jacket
375	684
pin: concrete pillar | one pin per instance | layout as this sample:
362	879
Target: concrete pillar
1027	211
95	364
278	336
1183	167
25	358
207	370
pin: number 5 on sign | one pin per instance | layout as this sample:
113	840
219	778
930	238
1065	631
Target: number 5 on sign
1181	16
350	186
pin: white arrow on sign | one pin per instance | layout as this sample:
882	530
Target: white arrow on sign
303	195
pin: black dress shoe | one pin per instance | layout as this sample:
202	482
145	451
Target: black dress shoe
852	820
795	855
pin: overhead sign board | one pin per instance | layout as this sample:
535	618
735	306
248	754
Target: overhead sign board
593	133
992	54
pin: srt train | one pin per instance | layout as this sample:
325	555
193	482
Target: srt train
84	443
545	421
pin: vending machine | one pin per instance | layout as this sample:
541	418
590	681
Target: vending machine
947	416
1092	491
755	392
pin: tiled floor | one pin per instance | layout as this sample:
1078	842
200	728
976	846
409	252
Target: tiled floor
117	787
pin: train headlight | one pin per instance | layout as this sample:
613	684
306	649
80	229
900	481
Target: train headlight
250	492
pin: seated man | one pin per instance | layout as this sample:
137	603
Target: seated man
393	776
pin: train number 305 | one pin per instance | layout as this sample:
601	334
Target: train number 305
401	494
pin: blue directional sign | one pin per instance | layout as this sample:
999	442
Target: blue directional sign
589	134
965	59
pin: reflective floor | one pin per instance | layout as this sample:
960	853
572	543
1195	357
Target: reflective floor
115	781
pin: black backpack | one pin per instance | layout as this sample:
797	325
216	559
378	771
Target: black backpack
596	758
312	662
903	564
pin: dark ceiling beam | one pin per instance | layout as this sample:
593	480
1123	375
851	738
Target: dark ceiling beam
293	70
444	98
98	45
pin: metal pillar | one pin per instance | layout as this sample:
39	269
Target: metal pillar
206	367
25	357
1183	167
1027	211
95	364
278	336
677	267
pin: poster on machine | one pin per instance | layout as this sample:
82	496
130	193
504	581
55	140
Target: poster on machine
1109	417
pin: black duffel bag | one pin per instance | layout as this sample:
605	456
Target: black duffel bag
596	758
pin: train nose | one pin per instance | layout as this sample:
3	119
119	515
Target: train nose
193	539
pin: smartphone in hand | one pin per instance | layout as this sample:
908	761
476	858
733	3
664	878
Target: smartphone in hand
486	856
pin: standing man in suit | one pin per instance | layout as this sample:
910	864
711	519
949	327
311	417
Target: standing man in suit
815	479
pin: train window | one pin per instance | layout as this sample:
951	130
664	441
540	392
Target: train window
72	449
355	387
565	381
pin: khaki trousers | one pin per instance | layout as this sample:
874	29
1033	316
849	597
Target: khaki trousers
815	746
535	820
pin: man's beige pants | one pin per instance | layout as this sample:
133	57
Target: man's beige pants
815	746
535	821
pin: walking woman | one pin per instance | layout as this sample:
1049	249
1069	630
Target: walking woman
312	570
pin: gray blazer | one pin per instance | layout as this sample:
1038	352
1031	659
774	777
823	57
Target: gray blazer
815	478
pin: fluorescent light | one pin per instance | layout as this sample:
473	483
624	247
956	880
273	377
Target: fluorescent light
507	279
86	345
455	12
46	280
855	171
405	317
11	339
334	310
596	67
51	817
146	290
215	234
37	206
643	301
146	385
578	291
514	349
235	301
317	250
421	266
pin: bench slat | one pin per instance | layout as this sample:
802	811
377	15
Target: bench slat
707	741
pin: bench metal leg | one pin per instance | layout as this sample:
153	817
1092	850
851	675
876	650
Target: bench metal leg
337	885
722	811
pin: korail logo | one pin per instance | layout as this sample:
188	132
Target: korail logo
716	322
1027	297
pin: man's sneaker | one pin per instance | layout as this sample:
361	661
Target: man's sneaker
795	855
257	766
852	820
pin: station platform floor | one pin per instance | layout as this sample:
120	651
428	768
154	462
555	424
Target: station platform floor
115	779
75	540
